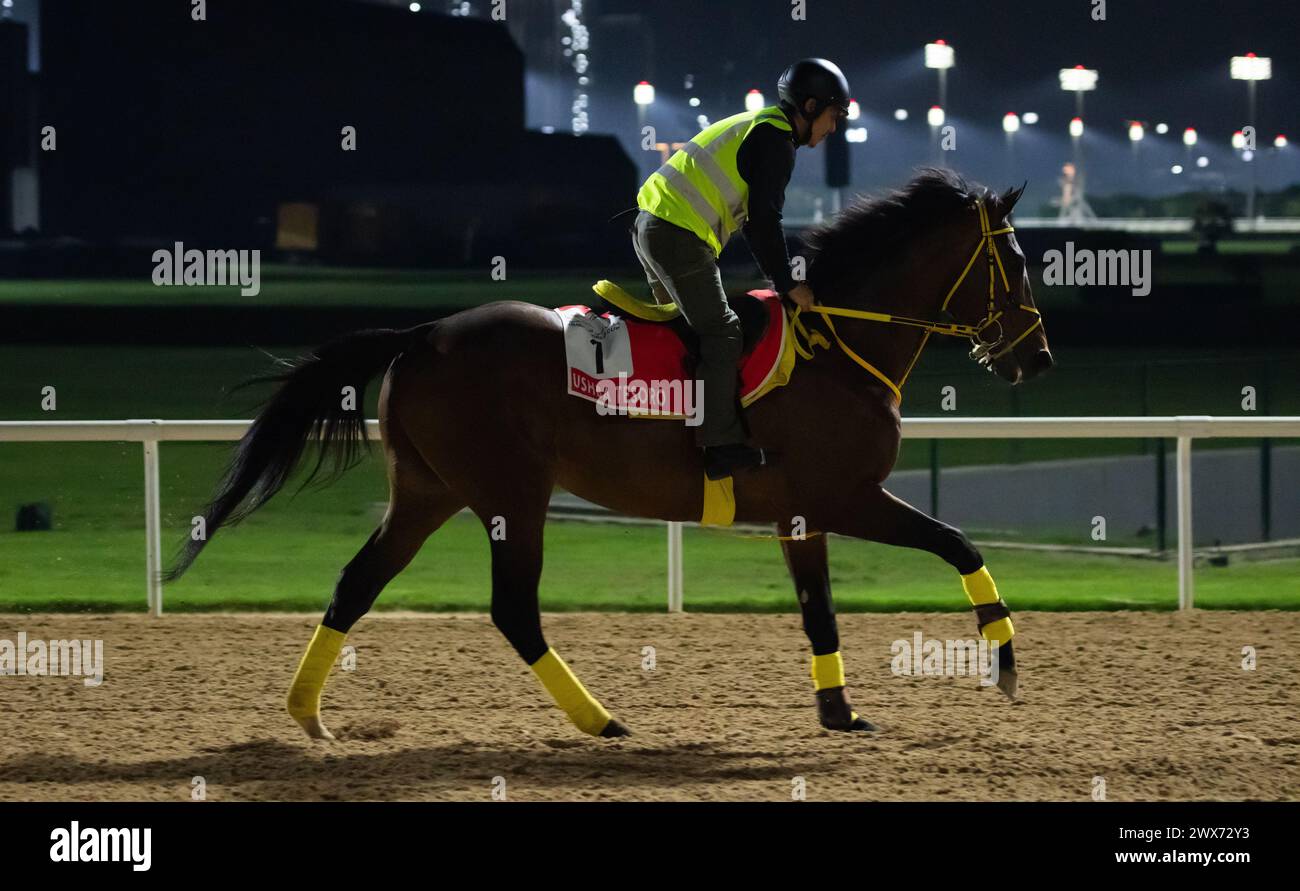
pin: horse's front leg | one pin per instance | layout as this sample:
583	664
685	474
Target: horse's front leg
877	515
806	560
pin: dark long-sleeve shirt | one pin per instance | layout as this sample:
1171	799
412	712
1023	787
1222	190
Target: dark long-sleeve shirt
765	162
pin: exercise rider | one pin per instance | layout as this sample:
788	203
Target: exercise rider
732	175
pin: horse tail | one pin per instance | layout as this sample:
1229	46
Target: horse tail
307	404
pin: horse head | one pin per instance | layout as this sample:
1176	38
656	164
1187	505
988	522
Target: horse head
938	256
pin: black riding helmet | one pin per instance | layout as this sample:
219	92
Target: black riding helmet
816	79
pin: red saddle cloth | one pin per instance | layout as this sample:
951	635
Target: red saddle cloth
629	364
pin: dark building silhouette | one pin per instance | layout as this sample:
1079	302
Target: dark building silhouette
16	136
229	132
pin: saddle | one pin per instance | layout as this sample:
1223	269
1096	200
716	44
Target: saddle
751	309
623	358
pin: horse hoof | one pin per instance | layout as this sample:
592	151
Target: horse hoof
836	714
614	729
1007	683
312	726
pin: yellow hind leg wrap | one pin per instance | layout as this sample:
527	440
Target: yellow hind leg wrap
309	680
828	671
981	591
583	710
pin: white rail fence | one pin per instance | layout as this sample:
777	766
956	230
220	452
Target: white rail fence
1184	429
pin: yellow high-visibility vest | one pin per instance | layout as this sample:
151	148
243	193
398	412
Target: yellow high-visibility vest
700	188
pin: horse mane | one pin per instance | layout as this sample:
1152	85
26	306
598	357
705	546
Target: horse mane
871	228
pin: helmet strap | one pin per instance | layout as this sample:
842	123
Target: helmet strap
798	139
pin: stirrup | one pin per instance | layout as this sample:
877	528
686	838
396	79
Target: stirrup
746	454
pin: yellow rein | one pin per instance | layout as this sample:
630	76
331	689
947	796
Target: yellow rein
988	244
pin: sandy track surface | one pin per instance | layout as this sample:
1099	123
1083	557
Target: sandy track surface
1156	704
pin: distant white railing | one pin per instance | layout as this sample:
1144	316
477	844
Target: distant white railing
1151	225
1182	428
1156	225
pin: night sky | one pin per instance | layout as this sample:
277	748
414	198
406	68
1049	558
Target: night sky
1159	60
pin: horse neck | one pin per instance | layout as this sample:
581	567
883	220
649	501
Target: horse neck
915	287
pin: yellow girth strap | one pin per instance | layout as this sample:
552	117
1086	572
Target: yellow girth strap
309	679
583	710
981	590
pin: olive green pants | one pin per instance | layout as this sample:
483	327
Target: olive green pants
682	269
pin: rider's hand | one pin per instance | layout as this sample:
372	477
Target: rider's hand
802	295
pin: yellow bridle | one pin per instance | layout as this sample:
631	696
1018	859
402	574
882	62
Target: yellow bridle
982	352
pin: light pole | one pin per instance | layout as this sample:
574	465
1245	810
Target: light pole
643	94
1078	80
1011	126
1136	133
940	56
754	101
1252	69
935	118
1074	206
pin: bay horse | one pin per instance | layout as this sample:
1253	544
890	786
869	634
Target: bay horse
474	413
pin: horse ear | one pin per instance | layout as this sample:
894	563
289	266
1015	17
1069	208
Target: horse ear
1011	196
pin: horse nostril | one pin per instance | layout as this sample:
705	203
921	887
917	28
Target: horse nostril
1043	360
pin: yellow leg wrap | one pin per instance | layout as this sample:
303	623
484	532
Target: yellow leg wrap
980	589
583	710
1002	631
309	680
828	671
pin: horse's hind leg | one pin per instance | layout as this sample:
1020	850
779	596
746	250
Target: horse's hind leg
807	561
514	521
418	504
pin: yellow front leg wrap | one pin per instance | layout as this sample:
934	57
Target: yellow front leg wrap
980	589
309	680
583	710
828	673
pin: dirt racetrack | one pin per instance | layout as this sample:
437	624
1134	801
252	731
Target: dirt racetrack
1156	704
